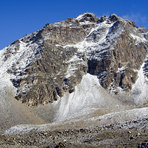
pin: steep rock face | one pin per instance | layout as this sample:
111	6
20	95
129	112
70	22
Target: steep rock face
43	79
46	64
118	67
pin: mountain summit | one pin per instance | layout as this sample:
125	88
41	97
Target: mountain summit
44	65
72	68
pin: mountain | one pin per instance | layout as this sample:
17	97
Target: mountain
78	69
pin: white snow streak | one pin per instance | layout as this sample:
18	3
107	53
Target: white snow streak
139	90
137	38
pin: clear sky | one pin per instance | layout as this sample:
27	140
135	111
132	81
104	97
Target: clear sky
20	17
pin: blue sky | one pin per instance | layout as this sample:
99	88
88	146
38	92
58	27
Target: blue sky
20	17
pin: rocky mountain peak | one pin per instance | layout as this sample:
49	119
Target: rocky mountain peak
87	17
45	65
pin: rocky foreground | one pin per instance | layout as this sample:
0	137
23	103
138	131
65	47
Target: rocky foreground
128	134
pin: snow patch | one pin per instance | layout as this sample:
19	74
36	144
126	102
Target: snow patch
73	65
88	97
138	38
47	36
139	91
81	16
121	69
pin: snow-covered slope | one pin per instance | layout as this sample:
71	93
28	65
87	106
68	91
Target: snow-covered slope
88	97
139	90
15	58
